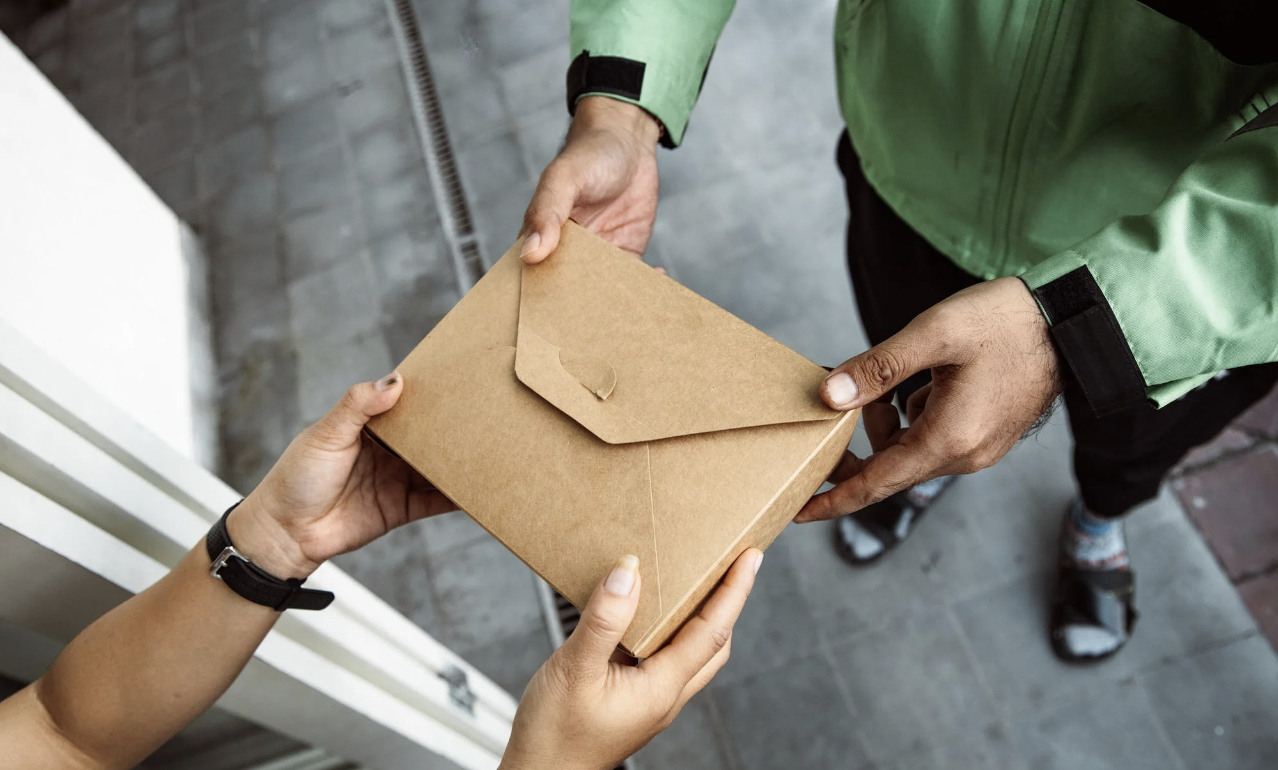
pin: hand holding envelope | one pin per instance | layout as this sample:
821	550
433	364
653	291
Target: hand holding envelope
587	407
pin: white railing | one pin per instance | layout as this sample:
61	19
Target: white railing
93	509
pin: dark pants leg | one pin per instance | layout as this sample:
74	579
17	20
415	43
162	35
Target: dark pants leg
1119	459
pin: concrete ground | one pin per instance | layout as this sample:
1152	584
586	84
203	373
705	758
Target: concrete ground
281	130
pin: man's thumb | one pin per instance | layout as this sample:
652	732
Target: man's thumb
605	618
550	207
877	371
341	427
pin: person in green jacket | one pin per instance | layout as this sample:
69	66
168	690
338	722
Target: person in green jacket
1046	197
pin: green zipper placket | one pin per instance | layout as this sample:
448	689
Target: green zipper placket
1033	63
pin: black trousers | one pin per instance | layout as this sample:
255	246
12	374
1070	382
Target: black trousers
1120	459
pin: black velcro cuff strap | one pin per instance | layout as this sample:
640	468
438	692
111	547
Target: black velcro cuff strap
615	75
1088	337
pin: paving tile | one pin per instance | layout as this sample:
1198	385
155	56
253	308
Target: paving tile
229	66
263	10
485	595
1230	441
109	116
373	98
214	24
537	82
363	49
157	17
911	682
313	182
109	25
512	662
49	30
699	161
988	749
395	568
258	408
499	220
243	153
229	113
1260	594
515	36
243	269
162	91
166	137
287	35
174	183
242	207
404	258
387	150
1263	417
407	320
398	204
692	742
327	368
304	129
320	239
790	717
1114	730
541	135
334	304
443	533
155	53
1232	503
102	73
776	626
1218	708
339	15
294	81
490	168
243	322
475	113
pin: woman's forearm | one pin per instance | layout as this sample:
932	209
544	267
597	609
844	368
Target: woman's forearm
143	671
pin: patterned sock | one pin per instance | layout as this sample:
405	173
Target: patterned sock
865	545
1092	542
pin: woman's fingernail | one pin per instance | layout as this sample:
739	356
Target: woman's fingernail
621	581
530	244
758	562
387	382
840	388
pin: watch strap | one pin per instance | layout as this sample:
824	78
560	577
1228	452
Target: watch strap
254	583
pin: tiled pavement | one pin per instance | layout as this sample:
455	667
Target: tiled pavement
934	659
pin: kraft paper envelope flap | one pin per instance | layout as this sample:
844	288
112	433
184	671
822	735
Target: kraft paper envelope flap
589	407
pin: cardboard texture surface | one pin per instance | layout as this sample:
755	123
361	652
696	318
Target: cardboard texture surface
589	407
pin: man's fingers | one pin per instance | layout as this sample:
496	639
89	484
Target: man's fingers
877	371
709	631
882	474
916	402
341	427
603	621
882	421
550	207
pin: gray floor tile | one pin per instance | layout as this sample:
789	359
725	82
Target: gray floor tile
229	66
327	368
162	92
259	408
264	10
512	662
229	113
499	221
988	749
387	150
912	683
339	15
241	154
485	595
244	206
374	98
776	626
536	82
316	241
397	204
165	138
240	320
333	304
402	259
476	113
305	128
108	24
693	742
443	533
363	49
541	135
1113	730
173	183
493	167
395	567
294	81
157	17
313	182
155	53
218	22
789	717
288	35
1218	707
247	268
515	36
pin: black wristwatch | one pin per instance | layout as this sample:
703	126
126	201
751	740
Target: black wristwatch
254	583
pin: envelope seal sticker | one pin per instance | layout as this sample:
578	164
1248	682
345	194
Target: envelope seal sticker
596	374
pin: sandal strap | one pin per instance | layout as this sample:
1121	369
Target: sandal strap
1103	598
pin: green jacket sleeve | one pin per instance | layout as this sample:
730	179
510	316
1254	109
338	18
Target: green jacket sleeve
1152	306
653	53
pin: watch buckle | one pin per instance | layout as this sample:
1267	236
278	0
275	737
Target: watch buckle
222	558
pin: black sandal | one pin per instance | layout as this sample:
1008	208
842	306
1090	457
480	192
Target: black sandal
1099	598
889	521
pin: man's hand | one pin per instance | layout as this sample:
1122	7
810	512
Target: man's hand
585	711
333	490
994	374
605	179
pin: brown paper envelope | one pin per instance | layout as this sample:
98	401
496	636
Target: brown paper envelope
588	407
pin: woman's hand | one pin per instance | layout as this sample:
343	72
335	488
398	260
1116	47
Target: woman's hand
583	711
333	490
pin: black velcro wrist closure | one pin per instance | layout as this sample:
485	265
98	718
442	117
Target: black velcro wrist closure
254	583
615	75
1088	337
